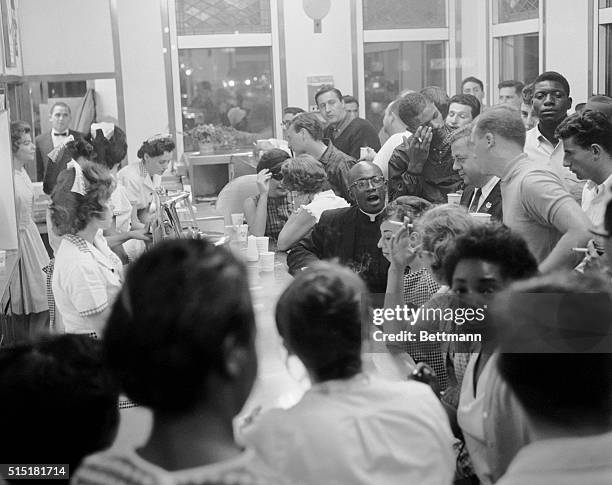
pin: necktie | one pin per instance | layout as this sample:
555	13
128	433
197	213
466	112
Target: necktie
475	200
60	134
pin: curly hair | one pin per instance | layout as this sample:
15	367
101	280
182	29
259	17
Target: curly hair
438	227
406	206
304	174
586	129
320	317
156	146
165	335
495	244
467	100
72	212
113	151
81	148
18	129
272	159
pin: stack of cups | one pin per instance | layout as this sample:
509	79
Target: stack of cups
266	261
262	244
252	252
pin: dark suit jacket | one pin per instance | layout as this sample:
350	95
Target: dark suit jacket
44	145
334	237
492	204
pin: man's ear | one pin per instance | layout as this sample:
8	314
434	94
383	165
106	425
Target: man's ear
569	102
596	151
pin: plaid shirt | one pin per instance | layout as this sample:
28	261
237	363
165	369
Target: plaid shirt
279	209
419	287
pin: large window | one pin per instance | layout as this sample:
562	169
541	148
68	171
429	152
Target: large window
519	59
515	10
229	86
201	17
391	67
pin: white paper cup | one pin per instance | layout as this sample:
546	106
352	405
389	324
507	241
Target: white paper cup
242	232
237	219
454	198
363	153
262	244
266	261
481	217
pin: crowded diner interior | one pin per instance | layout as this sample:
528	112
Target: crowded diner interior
344	242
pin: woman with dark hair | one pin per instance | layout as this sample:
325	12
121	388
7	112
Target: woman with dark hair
28	291
87	274
181	341
305	177
349	427
267	212
142	180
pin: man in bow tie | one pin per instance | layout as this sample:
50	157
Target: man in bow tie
60	118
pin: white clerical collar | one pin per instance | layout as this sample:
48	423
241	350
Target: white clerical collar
372	216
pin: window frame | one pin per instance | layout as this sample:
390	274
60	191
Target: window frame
445	34
602	17
215	41
507	29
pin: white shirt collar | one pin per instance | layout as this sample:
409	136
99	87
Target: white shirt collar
372	216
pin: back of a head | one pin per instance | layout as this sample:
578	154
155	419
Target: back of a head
600	103
59	402
272	159
309	122
406	206
304	174
411	106
181	303
496	244
320	317
467	100
504	121
570	389
293	110
586	129
110	152
554	77
437	96
527	94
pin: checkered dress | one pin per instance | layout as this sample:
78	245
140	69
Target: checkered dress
278	211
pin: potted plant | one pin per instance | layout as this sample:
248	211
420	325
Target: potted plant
205	136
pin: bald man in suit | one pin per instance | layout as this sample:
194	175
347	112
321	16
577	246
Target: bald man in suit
60	118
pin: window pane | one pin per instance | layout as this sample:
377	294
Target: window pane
391	67
519	57
198	17
605	64
228	87
403	14
513	10
605	3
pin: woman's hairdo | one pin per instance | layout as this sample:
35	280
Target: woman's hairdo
272	159
320	317
166	334
155	147
72	212
304	174
18	129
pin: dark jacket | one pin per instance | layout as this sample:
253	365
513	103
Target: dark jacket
334	237
337	166
359	133
44	145
492	204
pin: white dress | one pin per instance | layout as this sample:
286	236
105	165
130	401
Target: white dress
29	288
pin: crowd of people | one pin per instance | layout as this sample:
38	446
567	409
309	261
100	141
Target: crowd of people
371	223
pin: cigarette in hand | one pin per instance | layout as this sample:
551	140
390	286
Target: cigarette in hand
418	138
580	250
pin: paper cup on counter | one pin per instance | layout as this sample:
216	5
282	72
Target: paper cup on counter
481	217
454	198
237	219
266	261
262	244
242	232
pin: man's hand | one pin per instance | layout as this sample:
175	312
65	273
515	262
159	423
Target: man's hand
263	181
369	154
418	148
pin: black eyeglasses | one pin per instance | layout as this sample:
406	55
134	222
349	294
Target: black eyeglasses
363	184
277	176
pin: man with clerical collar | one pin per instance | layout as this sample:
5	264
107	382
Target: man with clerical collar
423	165
60	118
305	135
350	234
347	133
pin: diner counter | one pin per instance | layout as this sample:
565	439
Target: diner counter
7	273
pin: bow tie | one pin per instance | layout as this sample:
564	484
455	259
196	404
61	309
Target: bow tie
60	134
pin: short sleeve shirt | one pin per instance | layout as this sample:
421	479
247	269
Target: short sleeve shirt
86	279
139	184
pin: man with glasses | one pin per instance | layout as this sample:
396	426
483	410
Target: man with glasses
346	133
423	165
482	192
350	234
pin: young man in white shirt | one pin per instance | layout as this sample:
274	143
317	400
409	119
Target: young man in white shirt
587	142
